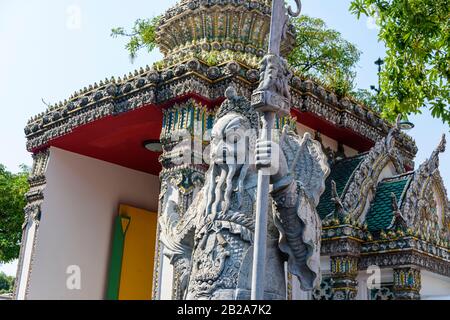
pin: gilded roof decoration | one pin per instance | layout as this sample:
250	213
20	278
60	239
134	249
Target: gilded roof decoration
208	25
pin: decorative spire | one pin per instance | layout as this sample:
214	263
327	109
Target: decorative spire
196	26
432	164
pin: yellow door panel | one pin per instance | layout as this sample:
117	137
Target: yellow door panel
136	276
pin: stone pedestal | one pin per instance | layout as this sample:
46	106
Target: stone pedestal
407	283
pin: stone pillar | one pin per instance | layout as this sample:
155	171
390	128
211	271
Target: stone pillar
344	271
183	171
342	243
30	227
407	283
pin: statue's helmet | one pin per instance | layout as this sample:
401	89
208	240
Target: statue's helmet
235	130
238	105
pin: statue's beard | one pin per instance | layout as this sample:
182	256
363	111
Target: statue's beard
221	184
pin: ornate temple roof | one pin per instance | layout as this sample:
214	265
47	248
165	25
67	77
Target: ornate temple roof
195	26
197	76
389	219
410	203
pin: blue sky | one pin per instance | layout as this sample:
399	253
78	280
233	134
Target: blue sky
51	48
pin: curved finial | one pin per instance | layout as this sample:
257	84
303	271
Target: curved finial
393	132
433	162
442	144
398	121
299	9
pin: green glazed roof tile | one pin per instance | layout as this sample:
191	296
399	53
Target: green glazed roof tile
341	173
380	213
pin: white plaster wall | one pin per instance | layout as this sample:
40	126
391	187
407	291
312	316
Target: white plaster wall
387	172
81	200
362	286
302	129
434	286
377	276
350	152
325	265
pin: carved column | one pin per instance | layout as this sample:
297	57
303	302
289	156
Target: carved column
344	271
407	283
30	227
187	181
342	242
182	138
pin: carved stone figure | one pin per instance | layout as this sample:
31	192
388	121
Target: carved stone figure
275	76
211	245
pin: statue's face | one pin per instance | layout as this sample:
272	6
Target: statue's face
229	159
229	140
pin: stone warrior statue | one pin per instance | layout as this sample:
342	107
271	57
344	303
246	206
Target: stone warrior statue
212	243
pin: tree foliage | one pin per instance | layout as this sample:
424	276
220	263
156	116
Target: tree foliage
142	35
6	283
416	72
320	52
12	201
323	53
368	98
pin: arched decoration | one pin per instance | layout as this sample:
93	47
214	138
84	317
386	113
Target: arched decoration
361	187
425	204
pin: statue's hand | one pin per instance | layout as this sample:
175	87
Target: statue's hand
270	157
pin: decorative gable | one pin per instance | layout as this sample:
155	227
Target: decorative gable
353	182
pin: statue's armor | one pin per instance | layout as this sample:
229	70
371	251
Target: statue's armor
222	257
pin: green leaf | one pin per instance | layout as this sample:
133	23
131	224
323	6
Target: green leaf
323	54
416	36
142	35
12	202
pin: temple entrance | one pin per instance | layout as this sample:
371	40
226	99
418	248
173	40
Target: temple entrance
133	252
